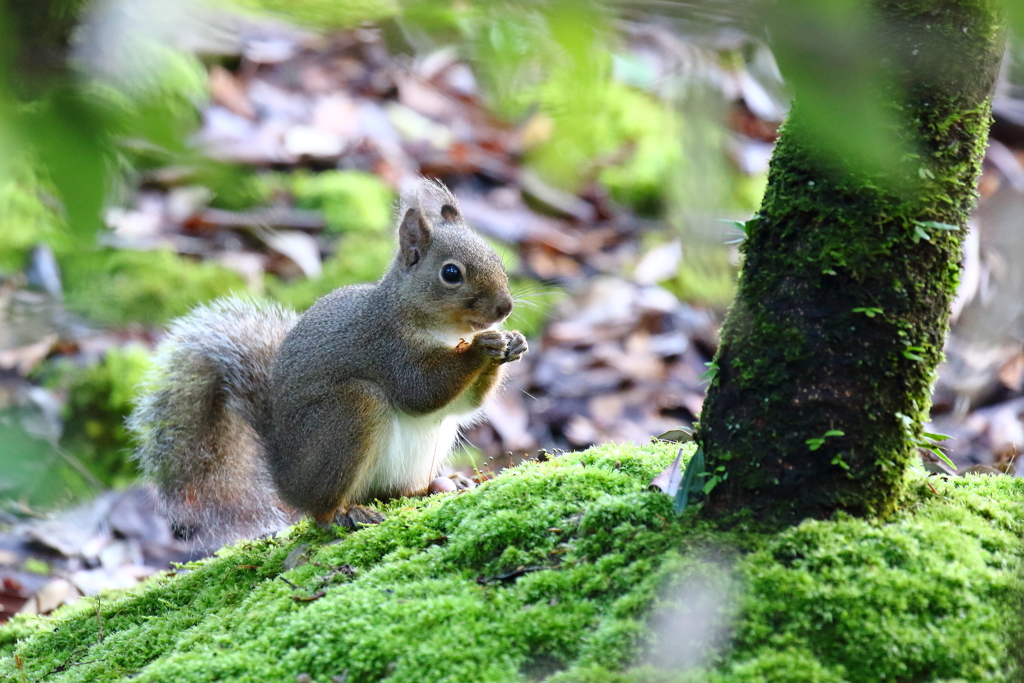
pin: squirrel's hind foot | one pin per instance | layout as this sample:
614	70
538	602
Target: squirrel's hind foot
462	482
356	517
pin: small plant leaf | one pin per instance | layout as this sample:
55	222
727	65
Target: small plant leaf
939	454
711	484
739	225
710	373
909	353
695	469
936	437
819	441
935	225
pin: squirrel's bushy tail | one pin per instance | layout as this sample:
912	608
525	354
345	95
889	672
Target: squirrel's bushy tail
200	422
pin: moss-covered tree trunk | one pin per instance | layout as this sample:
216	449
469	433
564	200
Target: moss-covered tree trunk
829	350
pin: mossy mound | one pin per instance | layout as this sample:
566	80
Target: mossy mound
352	201
358	207
572	571
622	123
117	287
100	395
359	257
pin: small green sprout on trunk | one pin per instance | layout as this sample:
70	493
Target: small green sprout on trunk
817	442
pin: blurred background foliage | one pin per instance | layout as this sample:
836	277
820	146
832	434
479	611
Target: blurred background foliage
95	94
100	397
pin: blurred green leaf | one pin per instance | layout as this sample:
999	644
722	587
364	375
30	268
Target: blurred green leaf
692	482
1015	11
100	396
935	225
32	471
828	51
69	137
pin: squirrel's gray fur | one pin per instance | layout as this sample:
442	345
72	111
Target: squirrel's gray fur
254	416
200	418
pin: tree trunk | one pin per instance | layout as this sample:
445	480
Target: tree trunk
829	350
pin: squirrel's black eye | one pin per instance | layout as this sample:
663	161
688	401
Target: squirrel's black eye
451	273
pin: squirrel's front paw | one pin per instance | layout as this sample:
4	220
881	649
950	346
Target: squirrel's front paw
501	347
491	344
516	346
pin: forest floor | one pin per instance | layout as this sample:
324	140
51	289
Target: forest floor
301	145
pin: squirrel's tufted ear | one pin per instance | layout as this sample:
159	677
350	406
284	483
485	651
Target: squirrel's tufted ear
450	213
413	237
433	199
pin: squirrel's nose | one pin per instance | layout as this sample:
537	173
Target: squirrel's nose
502	310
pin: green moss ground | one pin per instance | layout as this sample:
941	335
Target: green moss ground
117	287
100	395
352	201
934	594
358	207
359	257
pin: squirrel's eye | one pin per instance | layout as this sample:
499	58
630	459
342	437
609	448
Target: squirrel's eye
451	274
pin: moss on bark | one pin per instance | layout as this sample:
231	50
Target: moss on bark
829	351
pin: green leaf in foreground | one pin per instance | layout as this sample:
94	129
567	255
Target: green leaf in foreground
695	470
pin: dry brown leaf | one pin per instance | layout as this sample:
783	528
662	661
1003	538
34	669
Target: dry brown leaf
24	358
667	481
229	92
508	415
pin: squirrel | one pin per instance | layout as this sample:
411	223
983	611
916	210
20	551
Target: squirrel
254	416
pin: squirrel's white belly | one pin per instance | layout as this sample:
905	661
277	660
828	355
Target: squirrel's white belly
418	448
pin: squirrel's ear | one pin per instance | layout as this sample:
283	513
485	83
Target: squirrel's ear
413	237
450	213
